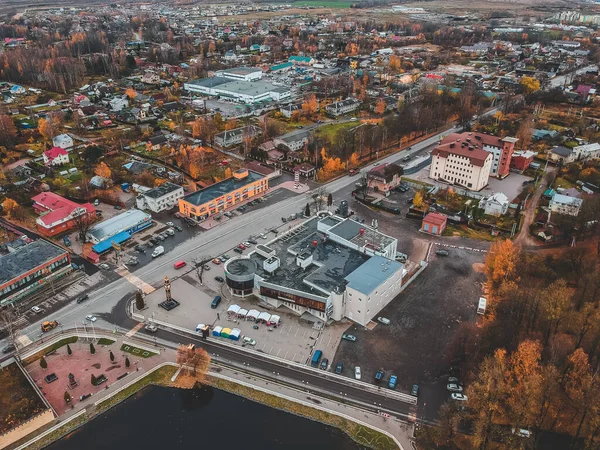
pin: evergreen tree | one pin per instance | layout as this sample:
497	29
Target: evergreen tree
92	348
127	363
307	210
69	351
43	363
67	397
139	300
112	357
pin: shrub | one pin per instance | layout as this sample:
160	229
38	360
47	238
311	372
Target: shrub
127	363
92	348
93	380
69	351
43	363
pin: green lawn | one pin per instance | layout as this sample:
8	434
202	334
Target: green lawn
137	351
105	341
563	183
53	347
329	131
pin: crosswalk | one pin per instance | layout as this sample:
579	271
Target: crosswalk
136	281
134	329
461	248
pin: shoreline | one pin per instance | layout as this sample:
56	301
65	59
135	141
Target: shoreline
161	375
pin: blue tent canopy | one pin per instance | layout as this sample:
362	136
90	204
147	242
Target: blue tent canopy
106	245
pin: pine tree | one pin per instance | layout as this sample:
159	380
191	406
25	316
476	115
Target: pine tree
127	363
43	363
307	210
139	300
92	348
112	357
69	351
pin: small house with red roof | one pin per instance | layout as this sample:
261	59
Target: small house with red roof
56	156
434	223
57	214
384	177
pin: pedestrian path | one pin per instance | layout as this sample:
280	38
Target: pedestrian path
136	281
134	329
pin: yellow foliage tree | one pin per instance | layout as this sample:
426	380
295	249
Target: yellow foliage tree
354	159
102	170
310	105
380	106
530	85
45	129
10	206
418	201
500	262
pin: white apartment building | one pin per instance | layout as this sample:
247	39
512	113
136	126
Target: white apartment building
465	166
161	198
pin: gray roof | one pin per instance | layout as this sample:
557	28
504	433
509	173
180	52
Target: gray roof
162	190
210	82
562	151
350	230
118	223
221	188
27	258
241	266
372	274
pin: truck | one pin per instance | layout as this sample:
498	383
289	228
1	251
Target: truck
49	325
158	251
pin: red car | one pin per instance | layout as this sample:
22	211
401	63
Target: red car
241	247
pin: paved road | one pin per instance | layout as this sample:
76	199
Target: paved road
568	77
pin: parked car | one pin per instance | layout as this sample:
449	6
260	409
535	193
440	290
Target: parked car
36	309
247	244
453	380
453	387
216	261
238	250
91	318
140	249
219	279
252	241
82	298
67	241
241	247
415	390
170	224
118	207
9	348
284	219
151	328
442	252
227	214
459	397
262	235
357	372
349	337
249	341
393	382
521	432
160	237
104	266
379	376
383	320
324	363
178	228
339	368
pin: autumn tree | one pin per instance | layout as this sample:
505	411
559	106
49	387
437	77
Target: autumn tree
310	106
500	262
193	359
45	129
43	363
130	93
83	223
380	106
9	206
530	85
8	131
556	299
418	201
102	170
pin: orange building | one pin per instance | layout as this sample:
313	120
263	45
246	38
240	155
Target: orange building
243	185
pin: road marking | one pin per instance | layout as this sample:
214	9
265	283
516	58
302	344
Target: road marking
286	353
136	281
278	352
24	341
134	329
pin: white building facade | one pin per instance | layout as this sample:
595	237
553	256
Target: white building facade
161	198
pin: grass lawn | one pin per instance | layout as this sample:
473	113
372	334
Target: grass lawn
328	132
482	234
137	351
53	347
104	341
361	434
563	183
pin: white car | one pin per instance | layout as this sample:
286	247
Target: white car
91	318
262	235
247	244
249	340
459	397
105	266
170	224
357	372
383	320
452	387
36	309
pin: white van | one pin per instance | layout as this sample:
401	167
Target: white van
481	306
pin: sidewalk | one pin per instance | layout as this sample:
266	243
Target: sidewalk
402	431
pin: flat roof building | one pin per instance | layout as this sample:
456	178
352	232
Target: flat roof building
240	90
31	267
243	185
130	222
160	198
241	73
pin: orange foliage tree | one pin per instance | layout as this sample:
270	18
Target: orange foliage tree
310	105
102	170
380	106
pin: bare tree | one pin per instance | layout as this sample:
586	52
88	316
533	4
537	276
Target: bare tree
8	320
83	223
319	197
200	266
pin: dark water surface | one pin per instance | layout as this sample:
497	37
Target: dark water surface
207	418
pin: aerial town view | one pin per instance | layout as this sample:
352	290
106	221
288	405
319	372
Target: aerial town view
343	225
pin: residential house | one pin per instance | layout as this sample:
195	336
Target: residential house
342	107
158	141
150	77
563	204
288	110
119	103
384	177
230	56
161	198
56	156
63	141
294	141
229	138
564	154
57	214
434	223
99	182
495	205
587	151
305	170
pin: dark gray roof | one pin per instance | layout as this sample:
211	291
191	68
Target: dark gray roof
562	151
241	266
221	188
210	82
27	258
162	190
160	139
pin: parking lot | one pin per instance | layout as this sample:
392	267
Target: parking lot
293	340
424	319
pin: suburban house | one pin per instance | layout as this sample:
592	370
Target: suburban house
63	141
342	107
57	214
579	153
384	177
495	205
563	204
229	138
459	163
587	151
301	60
56	156
161	198
150	77
434	223
157	142
293	141
521	160
288	110
118	103
564	154
99	182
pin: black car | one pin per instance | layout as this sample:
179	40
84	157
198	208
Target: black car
9	348
252	241
238	250
178	228
82	298
139	249
219	279
339	368
324	364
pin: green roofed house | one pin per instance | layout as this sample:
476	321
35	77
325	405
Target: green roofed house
301	60
283	67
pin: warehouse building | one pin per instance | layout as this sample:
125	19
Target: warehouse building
238	90
31	267
117	229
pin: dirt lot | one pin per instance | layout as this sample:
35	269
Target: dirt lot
423	318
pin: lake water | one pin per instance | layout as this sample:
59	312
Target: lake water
169	418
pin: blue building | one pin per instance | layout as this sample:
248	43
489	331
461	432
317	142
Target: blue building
117	229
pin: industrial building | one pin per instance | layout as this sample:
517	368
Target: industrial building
238	90
31	267
326	269
243	185
117	229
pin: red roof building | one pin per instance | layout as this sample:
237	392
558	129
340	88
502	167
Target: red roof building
434	223
57	214
56	156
